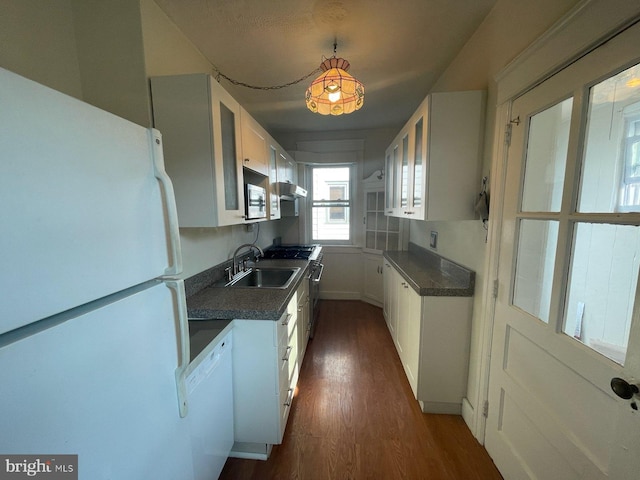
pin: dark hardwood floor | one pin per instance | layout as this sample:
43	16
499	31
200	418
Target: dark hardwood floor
354	415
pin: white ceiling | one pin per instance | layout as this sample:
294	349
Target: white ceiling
397	49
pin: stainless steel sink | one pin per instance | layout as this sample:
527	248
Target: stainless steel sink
267	277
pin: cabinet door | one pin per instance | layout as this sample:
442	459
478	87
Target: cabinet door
255	146
419	162
226	143
393	183
287	168
274	194
200	125
387	285
256	381
303	319
454	123
373	282
389	186
404	174
409	332
393	284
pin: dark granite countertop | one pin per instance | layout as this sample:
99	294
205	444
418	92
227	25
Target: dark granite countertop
430	274
228	303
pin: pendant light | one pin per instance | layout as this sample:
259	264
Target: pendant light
335	92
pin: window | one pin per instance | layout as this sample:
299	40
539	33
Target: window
630	188
331	204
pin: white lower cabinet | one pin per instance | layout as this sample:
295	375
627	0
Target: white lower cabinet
304	325
432	336
373	283
391	280
266	363
408	332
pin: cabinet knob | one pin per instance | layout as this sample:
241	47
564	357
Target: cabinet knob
246	160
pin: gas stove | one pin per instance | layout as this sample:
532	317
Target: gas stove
291	252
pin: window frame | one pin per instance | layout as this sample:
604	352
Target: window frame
350	204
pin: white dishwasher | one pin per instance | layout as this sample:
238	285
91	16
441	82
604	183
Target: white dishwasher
210	409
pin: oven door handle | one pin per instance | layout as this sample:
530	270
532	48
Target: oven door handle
317	279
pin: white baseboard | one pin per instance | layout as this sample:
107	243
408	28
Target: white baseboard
469	416
251	451
441	407
334	295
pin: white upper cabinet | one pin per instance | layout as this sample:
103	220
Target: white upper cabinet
287	168
432	165
255	144
274	193
200	124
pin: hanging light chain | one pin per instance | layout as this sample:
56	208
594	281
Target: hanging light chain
219	75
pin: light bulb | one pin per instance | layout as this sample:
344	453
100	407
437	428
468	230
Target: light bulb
334	96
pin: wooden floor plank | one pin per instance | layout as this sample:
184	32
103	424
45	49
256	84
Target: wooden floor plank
354	415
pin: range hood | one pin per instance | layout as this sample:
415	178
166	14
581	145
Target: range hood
289	191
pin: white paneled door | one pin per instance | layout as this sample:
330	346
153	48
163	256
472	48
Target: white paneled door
566	318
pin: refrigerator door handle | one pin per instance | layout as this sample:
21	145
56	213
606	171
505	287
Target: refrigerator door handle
183	343
169	199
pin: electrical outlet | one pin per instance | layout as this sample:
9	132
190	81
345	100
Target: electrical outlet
433	241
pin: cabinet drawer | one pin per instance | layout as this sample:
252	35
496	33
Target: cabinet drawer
288	357
285	408
285	326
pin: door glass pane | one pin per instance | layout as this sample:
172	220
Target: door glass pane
537	243
611	165
602	286
389	176
371	221
546	158
273	178
371	200
404	179
229	161
371	240
417	166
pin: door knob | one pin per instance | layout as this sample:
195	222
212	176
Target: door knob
622	388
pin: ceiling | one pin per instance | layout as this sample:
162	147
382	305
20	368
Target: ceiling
397	49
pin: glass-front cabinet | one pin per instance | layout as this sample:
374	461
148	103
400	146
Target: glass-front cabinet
433	164
274	194
391	178
200	124
382	232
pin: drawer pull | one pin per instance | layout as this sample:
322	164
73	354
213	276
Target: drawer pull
287	354
287	403
286	320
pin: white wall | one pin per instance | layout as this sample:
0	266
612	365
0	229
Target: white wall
111	57
103	53
496	42
37	41
168	52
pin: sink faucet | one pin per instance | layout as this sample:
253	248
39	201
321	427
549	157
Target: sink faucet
236	267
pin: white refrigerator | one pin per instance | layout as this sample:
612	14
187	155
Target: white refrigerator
93	327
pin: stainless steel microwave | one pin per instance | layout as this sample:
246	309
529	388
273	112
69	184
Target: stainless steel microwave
255	202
